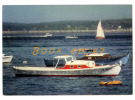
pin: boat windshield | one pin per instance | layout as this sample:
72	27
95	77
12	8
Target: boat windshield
55	61
59	62
69	59
73	58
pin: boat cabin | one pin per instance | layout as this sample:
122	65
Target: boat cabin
95	56
79	64
59	61
70	62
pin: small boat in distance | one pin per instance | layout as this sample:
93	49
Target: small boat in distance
6	59
47	35
100	32
67	66
71	37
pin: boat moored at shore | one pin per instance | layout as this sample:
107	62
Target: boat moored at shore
6	59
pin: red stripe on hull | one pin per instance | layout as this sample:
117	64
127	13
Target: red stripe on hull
67	75
74	67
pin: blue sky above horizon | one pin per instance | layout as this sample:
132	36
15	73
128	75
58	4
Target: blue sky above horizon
50	13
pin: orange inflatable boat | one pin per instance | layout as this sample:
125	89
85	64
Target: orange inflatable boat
117	82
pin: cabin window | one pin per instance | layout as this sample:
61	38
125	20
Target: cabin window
55	61
100	57
71	66
79	66
89	57
105	56
69	58
74	58
93	57
96	57
61	62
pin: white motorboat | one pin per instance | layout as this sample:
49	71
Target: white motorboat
47	35
100	32
68	66
71	37
6	59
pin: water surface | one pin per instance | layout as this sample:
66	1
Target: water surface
22	50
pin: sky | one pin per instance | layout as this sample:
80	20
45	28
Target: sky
50	13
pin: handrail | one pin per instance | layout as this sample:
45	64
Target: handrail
57	63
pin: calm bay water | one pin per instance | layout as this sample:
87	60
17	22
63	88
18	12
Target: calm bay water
22	50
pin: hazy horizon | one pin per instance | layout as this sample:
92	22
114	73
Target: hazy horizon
55	13
64	21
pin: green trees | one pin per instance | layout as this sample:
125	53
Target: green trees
68	25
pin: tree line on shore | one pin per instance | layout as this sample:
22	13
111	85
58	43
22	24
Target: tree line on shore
68	25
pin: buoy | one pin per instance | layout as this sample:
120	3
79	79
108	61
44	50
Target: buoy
25	62
117	82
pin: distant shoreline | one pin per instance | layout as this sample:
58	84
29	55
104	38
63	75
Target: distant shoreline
68	31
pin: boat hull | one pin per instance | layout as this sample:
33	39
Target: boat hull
7	59
100	38
112	70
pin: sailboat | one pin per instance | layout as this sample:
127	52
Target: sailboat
100	33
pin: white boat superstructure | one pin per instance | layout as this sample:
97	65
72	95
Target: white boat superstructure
100	32
6	59
97	54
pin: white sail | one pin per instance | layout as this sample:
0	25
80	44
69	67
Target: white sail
100	32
